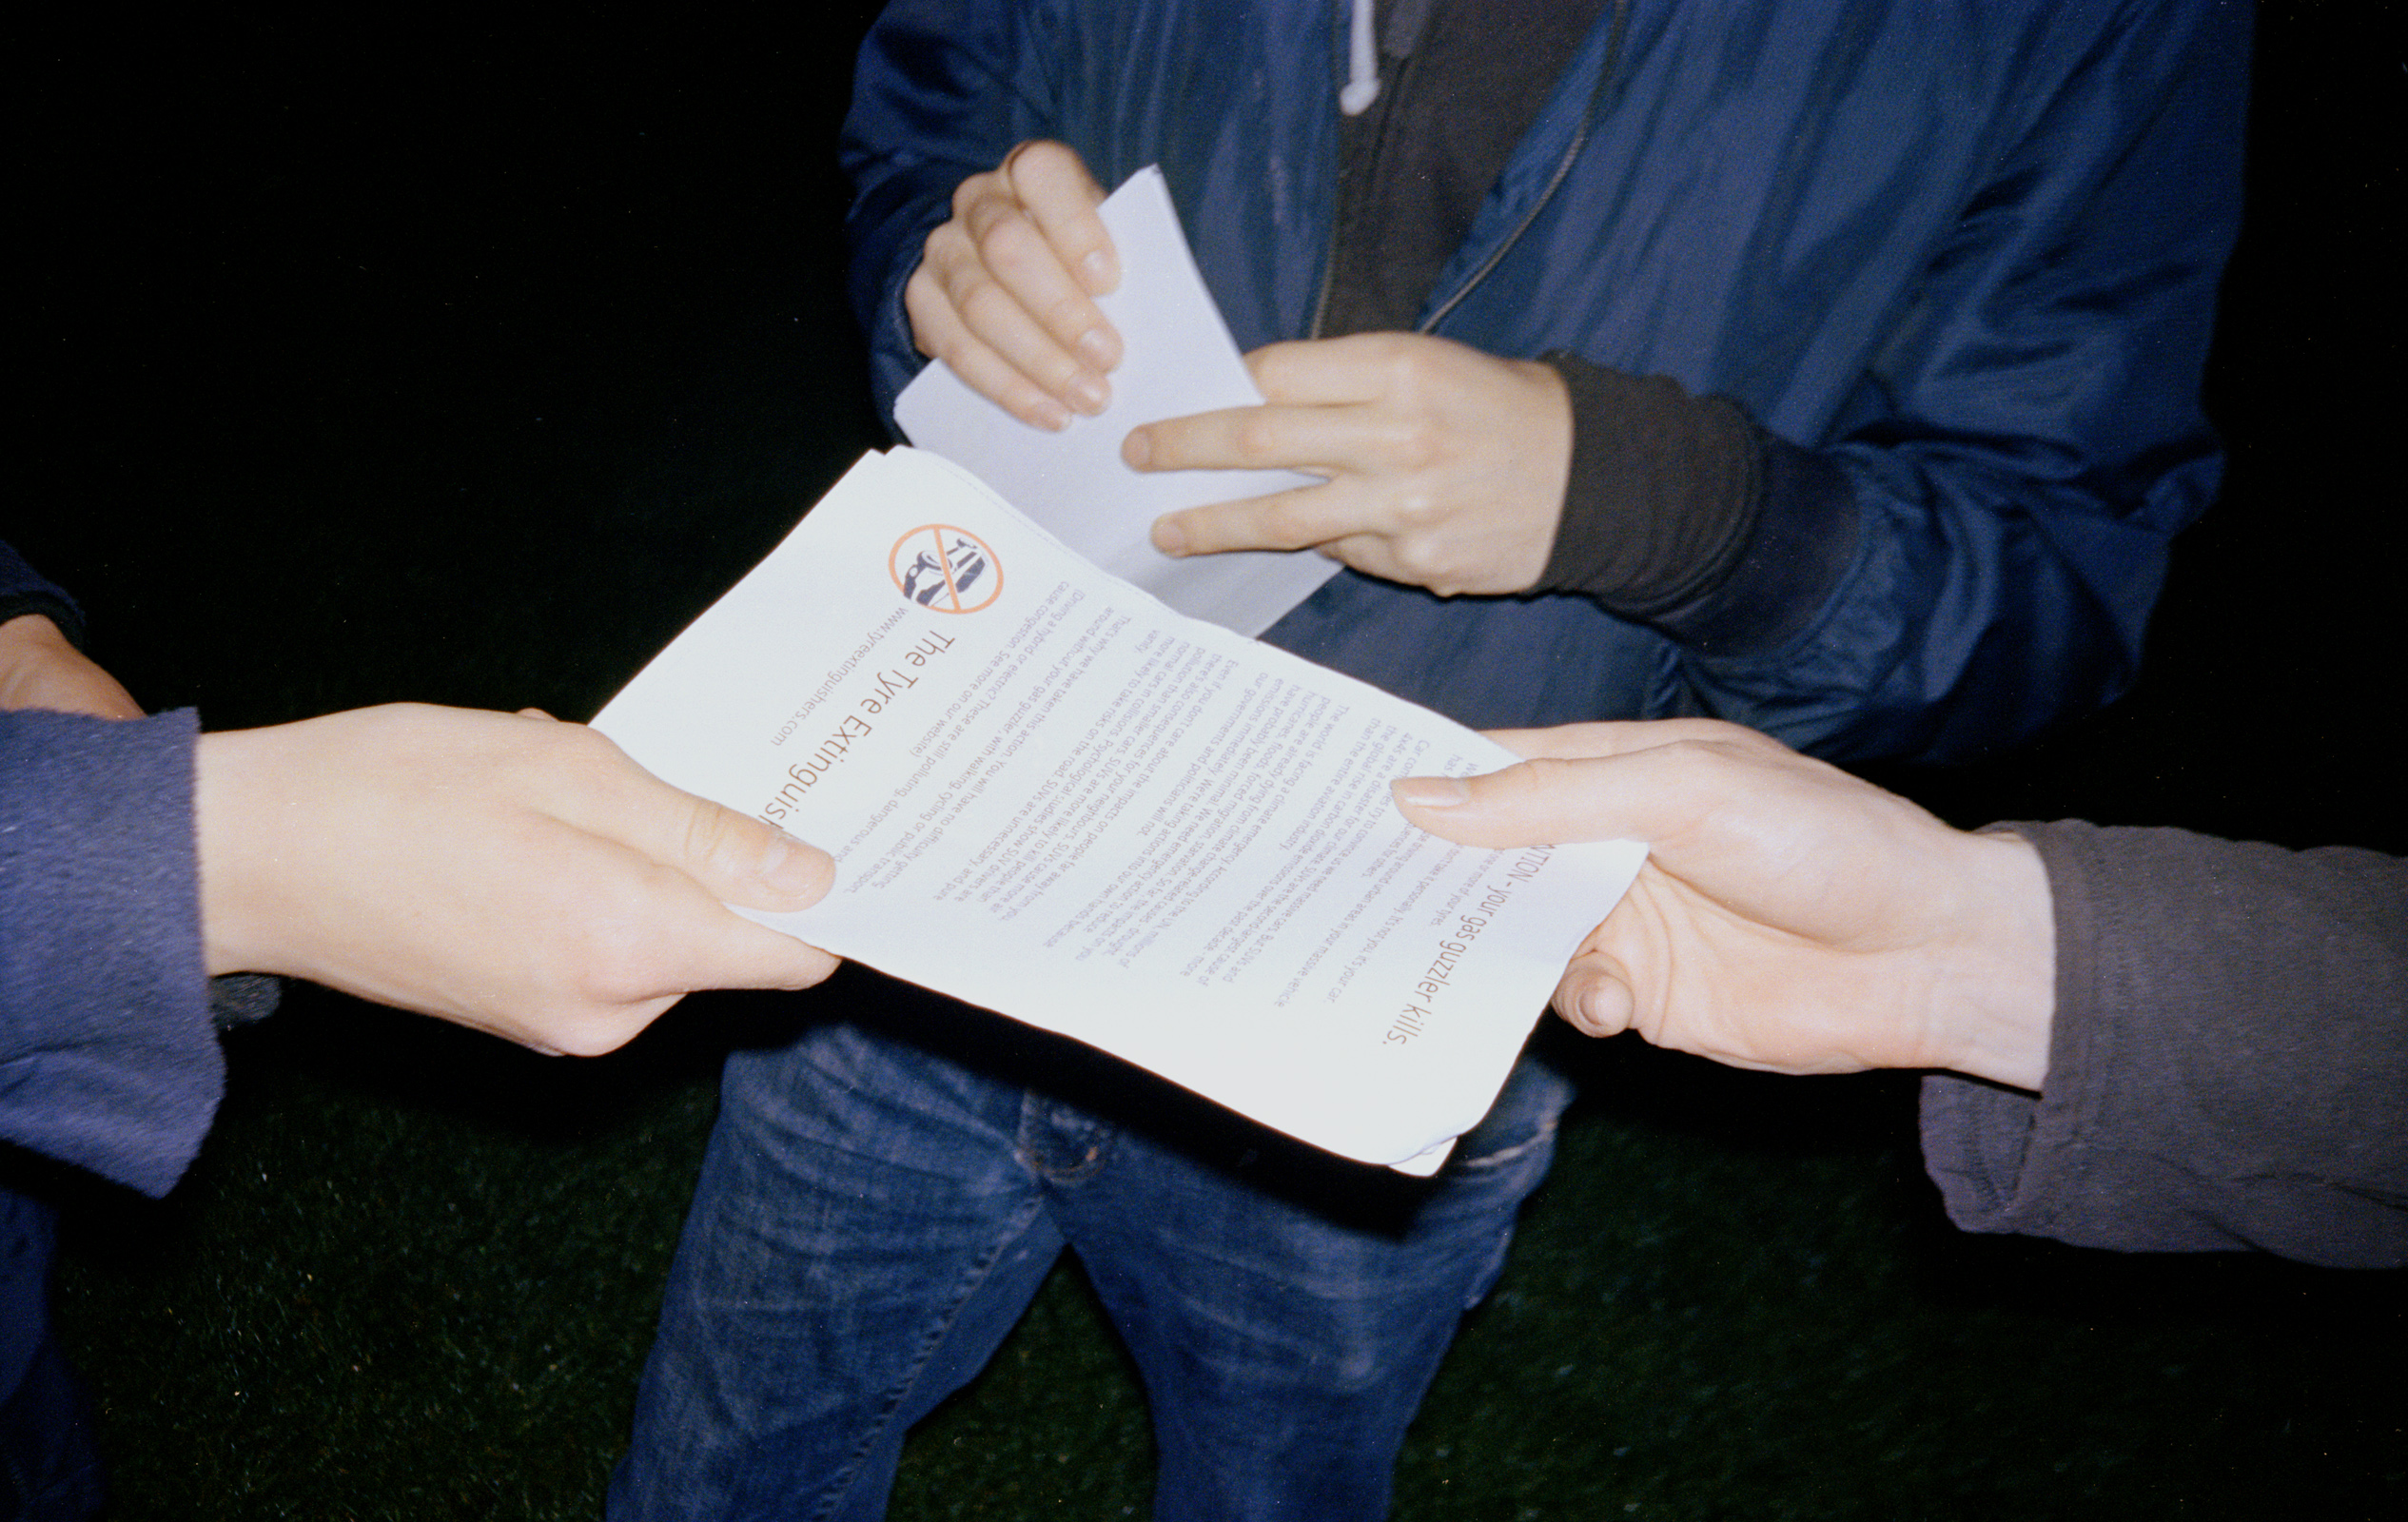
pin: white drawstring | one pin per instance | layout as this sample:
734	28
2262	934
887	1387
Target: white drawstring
1362	64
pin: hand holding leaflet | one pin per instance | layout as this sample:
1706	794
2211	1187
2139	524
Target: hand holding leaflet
1178	359
1049	796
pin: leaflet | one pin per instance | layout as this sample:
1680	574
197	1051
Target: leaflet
1049	796
1177	359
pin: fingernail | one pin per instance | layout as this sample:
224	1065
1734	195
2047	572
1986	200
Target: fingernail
1100	348
1097	274
1431	792
1051	416
1170	537
1137	451
792	867
1091	394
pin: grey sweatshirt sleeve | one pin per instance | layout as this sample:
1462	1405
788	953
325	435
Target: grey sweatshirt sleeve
2228	1065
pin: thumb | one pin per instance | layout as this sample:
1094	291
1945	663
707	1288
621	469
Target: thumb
735	858
1594	995
750	862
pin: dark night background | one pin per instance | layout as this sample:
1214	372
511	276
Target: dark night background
366	357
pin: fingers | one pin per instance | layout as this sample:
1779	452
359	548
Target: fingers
1355	446
1323	438
1328	372
1004	293
1341	519
1299	519
1570	741
716	856
1446	466
672	863
1052	181
1321	413
612	940
1642	795
748	862
938	331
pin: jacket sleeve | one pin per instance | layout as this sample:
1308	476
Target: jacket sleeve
943	89
24	590
2228	1065
107	1056
1974	547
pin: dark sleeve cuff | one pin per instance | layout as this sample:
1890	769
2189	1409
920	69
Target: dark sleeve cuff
1663	493
1682	514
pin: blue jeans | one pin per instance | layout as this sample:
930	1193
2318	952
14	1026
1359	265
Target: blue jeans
882	1198
49	1468
874	1217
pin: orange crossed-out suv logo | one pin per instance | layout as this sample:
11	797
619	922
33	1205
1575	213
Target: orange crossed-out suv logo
945	569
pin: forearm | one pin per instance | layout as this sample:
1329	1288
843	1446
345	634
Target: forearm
2228	1058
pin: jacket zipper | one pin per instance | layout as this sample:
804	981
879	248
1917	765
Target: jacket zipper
1563	171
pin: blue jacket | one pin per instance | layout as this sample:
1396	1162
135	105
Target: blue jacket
1964	253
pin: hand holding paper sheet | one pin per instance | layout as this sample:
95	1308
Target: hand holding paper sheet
1178	359
1050	796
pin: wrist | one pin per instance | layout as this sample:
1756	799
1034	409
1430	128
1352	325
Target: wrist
234	808
1996	998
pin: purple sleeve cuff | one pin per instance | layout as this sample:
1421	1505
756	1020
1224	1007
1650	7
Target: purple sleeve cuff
107	1056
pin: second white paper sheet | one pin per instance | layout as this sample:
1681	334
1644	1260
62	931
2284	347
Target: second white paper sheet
1052	796
1178	359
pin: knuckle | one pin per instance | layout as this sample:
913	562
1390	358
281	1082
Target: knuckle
1417	511
1287	521
977	188
1424	563
618	962
1253	435
929	312
984	304
1414	443
1401	363
1060	371
1067	315
707	835
593	1033
580	755
946	241
1544	773
1037	160
1008	240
